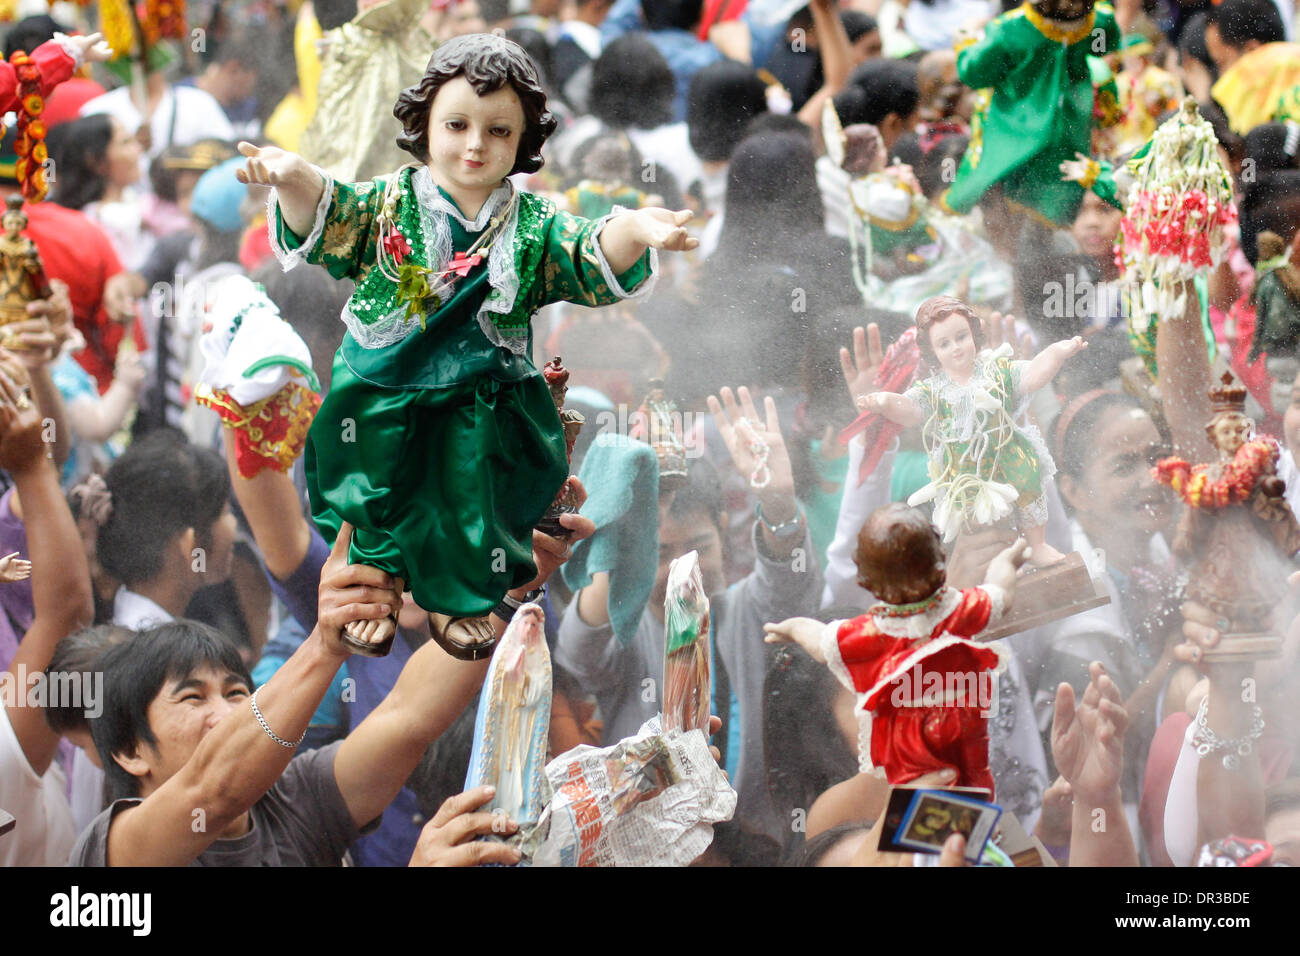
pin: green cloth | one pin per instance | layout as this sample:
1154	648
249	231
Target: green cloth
1037	110
821	508
911	474
444	450
621	476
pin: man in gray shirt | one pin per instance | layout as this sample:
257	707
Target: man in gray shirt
199	767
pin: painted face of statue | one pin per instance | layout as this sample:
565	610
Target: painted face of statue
954	346
13	223
473	140
1230	431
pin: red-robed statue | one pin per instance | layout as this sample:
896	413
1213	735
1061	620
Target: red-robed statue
923	683
1238	536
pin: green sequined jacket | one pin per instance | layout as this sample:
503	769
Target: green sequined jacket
542	255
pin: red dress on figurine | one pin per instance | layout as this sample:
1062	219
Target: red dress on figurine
923	689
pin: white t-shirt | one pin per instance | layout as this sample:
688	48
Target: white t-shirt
43	831
183	116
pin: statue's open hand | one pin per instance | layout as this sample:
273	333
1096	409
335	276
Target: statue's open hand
14	568
1075	170
664	229
91	49
1088	737
270	166
1072	347
804	631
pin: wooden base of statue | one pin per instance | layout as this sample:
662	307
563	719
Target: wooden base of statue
1244	649
1049	594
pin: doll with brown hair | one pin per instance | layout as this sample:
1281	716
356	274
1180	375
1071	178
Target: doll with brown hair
439	441
922	682
984	464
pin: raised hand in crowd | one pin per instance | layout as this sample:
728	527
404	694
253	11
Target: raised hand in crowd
861	366
61	595
758	451
1088	749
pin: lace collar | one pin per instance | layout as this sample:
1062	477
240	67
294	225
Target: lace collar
432	197
435	210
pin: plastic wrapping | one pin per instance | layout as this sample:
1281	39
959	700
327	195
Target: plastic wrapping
649	800
688	658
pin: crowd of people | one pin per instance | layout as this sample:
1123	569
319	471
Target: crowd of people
233	711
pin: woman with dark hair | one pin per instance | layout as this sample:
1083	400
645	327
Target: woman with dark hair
451	262
97	162
1106	446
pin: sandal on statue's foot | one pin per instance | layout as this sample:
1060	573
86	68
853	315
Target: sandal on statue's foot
371	638
464	638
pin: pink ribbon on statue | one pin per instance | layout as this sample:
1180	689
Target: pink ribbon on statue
397	247
461	264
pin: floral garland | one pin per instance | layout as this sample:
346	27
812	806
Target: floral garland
1176	215
115	22
1193	485
163	20
29	144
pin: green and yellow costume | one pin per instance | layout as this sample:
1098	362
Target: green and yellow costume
439	440
1037	111
983	465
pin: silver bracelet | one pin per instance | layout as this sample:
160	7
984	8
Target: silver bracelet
267	727
1206	741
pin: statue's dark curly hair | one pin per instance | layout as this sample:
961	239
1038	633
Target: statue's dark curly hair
488	62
